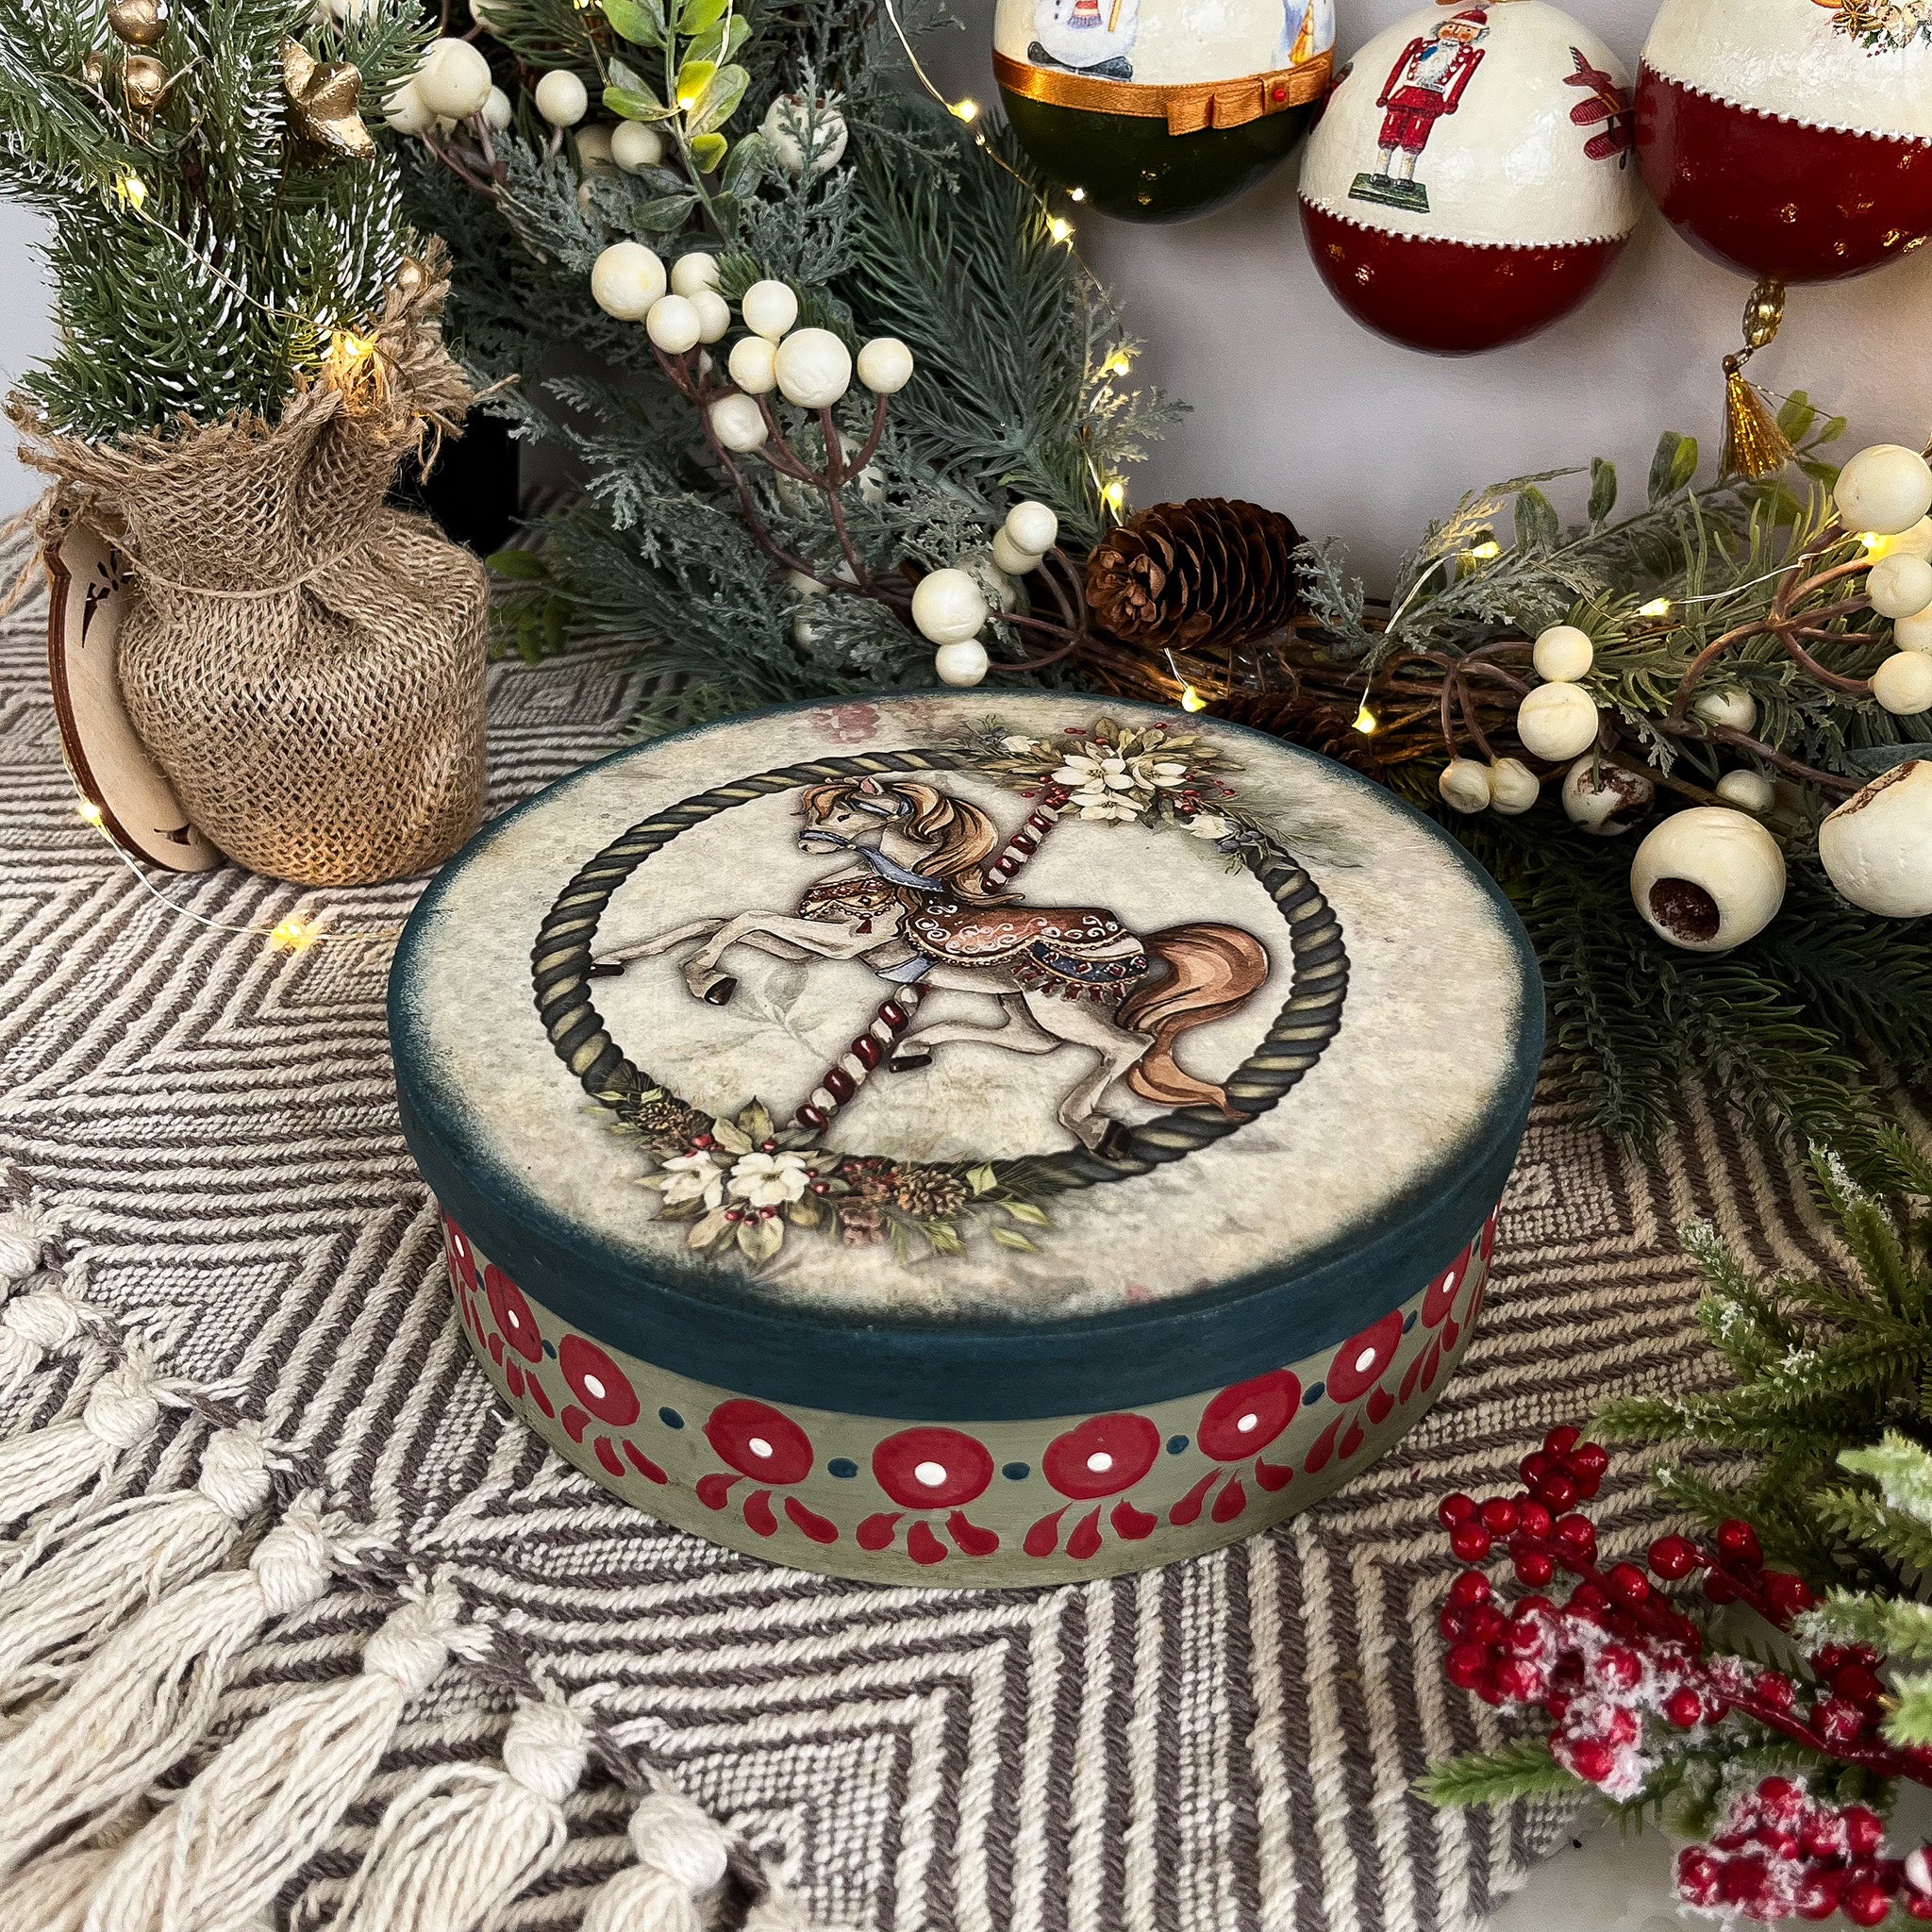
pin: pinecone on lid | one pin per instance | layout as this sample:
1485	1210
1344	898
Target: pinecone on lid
1190	575
932	1193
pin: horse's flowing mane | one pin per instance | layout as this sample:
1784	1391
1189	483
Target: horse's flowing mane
962	837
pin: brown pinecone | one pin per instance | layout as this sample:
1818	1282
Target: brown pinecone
1190	575
668	1117
930	1193
1306	722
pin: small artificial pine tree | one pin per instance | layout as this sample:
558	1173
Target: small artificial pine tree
216	217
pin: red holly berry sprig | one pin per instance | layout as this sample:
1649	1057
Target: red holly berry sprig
1779	1853
1617	1667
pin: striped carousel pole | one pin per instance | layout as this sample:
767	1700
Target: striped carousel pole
1027	840
866	1055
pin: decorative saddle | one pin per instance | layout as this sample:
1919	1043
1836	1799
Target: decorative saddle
1074	950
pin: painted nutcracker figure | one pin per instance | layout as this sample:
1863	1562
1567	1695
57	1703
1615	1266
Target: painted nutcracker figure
1426	83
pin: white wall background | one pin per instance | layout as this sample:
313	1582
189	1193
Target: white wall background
1296	405
25	334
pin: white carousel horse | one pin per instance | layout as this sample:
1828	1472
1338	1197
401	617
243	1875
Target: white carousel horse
913	906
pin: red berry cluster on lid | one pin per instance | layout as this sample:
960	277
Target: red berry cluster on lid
1618	1668
1781	1853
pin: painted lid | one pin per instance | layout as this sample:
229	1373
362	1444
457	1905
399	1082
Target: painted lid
967	1056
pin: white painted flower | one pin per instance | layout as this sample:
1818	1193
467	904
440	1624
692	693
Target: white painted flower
693	1178
1105	804
1020	747
769	1180
1207	824
1161	773
1086	771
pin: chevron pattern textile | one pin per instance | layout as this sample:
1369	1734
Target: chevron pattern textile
1227	1745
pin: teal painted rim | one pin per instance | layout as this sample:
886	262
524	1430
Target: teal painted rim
712	1327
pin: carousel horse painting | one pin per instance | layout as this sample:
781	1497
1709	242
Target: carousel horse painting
911	903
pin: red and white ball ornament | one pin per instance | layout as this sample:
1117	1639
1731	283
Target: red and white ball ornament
1470	180
1790	138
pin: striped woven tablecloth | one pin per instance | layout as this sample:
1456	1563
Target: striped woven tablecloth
1224	1746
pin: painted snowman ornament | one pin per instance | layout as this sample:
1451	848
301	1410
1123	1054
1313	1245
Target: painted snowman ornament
1088	36
1790	138
1471	181
1156	110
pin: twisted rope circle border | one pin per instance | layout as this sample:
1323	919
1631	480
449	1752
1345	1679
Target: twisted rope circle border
1310	1019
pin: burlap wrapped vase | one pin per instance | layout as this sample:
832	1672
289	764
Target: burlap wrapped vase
303	662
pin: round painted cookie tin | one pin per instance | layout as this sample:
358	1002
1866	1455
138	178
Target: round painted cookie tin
971	1137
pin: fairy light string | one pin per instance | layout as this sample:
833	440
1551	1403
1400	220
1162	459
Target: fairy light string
1112	491
290	934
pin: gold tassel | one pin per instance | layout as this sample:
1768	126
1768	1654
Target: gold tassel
1754	446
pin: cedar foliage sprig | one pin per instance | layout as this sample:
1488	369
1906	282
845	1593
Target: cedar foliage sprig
926	230
198	268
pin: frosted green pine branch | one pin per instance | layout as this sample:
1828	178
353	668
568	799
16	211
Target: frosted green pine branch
1892	1627
1903	1470
1524	1770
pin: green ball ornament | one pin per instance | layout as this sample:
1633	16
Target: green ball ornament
1135	109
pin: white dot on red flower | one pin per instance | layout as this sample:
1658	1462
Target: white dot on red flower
931	1473
594	1387
1365	1361
1100	1462
1248	1424
758	1446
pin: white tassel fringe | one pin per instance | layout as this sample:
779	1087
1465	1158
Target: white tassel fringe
266	1804
54	1614
32	1326
25	1235
52	1894
151	1692
682	1856
459	1845
52	1465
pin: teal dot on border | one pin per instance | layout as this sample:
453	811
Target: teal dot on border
670	1418
841	1466
1017	1472
1176	1444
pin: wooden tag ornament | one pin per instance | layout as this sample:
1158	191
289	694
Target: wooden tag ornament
1471	179
111	767
1158	110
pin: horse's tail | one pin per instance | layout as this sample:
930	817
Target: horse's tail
1211	971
